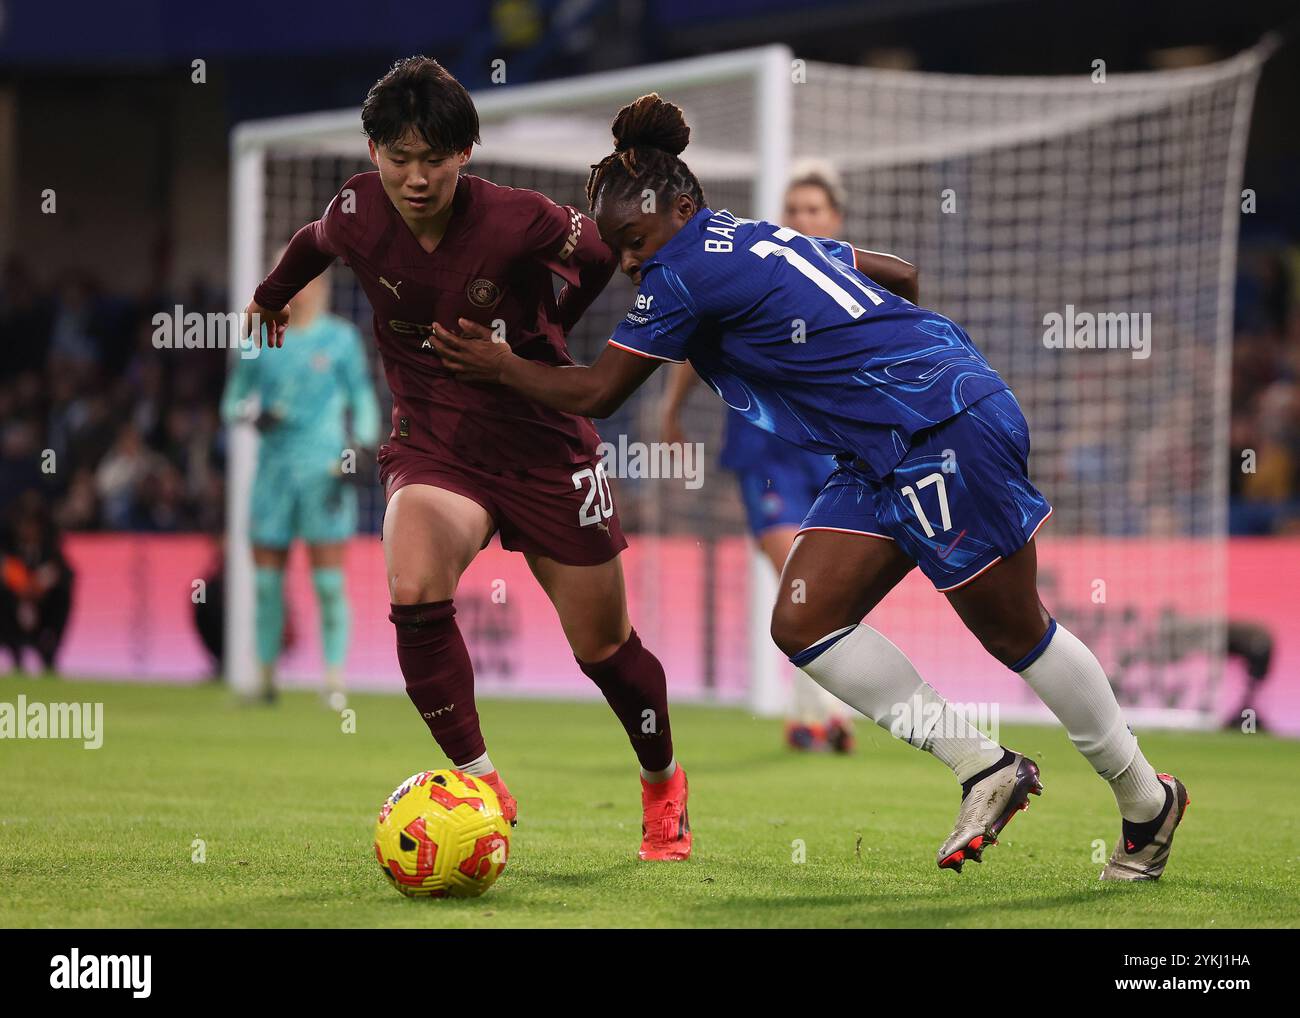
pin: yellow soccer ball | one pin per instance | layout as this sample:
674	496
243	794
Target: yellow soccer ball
442	834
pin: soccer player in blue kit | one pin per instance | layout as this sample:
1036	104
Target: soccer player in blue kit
933	471
778	481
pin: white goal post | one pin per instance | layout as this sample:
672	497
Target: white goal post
1019	198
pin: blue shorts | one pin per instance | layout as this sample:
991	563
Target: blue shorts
778	493
958	502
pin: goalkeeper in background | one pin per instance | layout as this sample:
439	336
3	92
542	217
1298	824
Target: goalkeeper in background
300	400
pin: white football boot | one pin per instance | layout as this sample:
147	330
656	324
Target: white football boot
989	801
1137	858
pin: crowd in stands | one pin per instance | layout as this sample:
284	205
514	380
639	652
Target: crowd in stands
1265	430
112	432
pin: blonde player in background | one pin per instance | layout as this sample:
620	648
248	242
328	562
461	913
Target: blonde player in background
778	481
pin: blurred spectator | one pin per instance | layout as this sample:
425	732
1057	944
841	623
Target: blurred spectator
24	321
20	464
35	583
122	475
72	338
79	507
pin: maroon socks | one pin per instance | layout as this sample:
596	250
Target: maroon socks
440	682
632	680
439	676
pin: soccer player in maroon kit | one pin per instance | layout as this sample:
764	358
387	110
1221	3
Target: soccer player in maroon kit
428	243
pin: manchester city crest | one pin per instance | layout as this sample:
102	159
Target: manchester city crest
483	293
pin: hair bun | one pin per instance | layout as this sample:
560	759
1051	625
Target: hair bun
651	122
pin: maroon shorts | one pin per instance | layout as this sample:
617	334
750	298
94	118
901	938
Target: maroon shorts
565	513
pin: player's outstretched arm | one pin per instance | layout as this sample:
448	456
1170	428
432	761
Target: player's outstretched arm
595	391
307	256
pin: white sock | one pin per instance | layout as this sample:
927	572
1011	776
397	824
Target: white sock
477	767
860	666
654	777
1069	679
1139	792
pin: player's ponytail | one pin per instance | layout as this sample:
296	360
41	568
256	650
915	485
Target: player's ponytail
649	136
650	122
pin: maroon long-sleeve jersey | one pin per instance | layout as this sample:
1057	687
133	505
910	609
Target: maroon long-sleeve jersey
493	264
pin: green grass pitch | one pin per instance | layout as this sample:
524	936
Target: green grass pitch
284	802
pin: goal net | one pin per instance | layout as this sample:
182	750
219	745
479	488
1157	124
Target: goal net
1082	231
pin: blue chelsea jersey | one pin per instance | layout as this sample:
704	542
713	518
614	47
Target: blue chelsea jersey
799	342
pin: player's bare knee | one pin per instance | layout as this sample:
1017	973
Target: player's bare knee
594	653
790	630
1008	647
1002	650
415	590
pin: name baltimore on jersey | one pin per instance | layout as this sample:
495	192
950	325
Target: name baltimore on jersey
862	371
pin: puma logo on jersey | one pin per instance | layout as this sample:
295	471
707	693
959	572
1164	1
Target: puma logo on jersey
392	286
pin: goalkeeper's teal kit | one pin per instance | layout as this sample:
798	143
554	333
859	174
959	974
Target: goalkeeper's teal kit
307	390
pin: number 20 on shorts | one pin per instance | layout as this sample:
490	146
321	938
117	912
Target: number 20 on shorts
599	503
